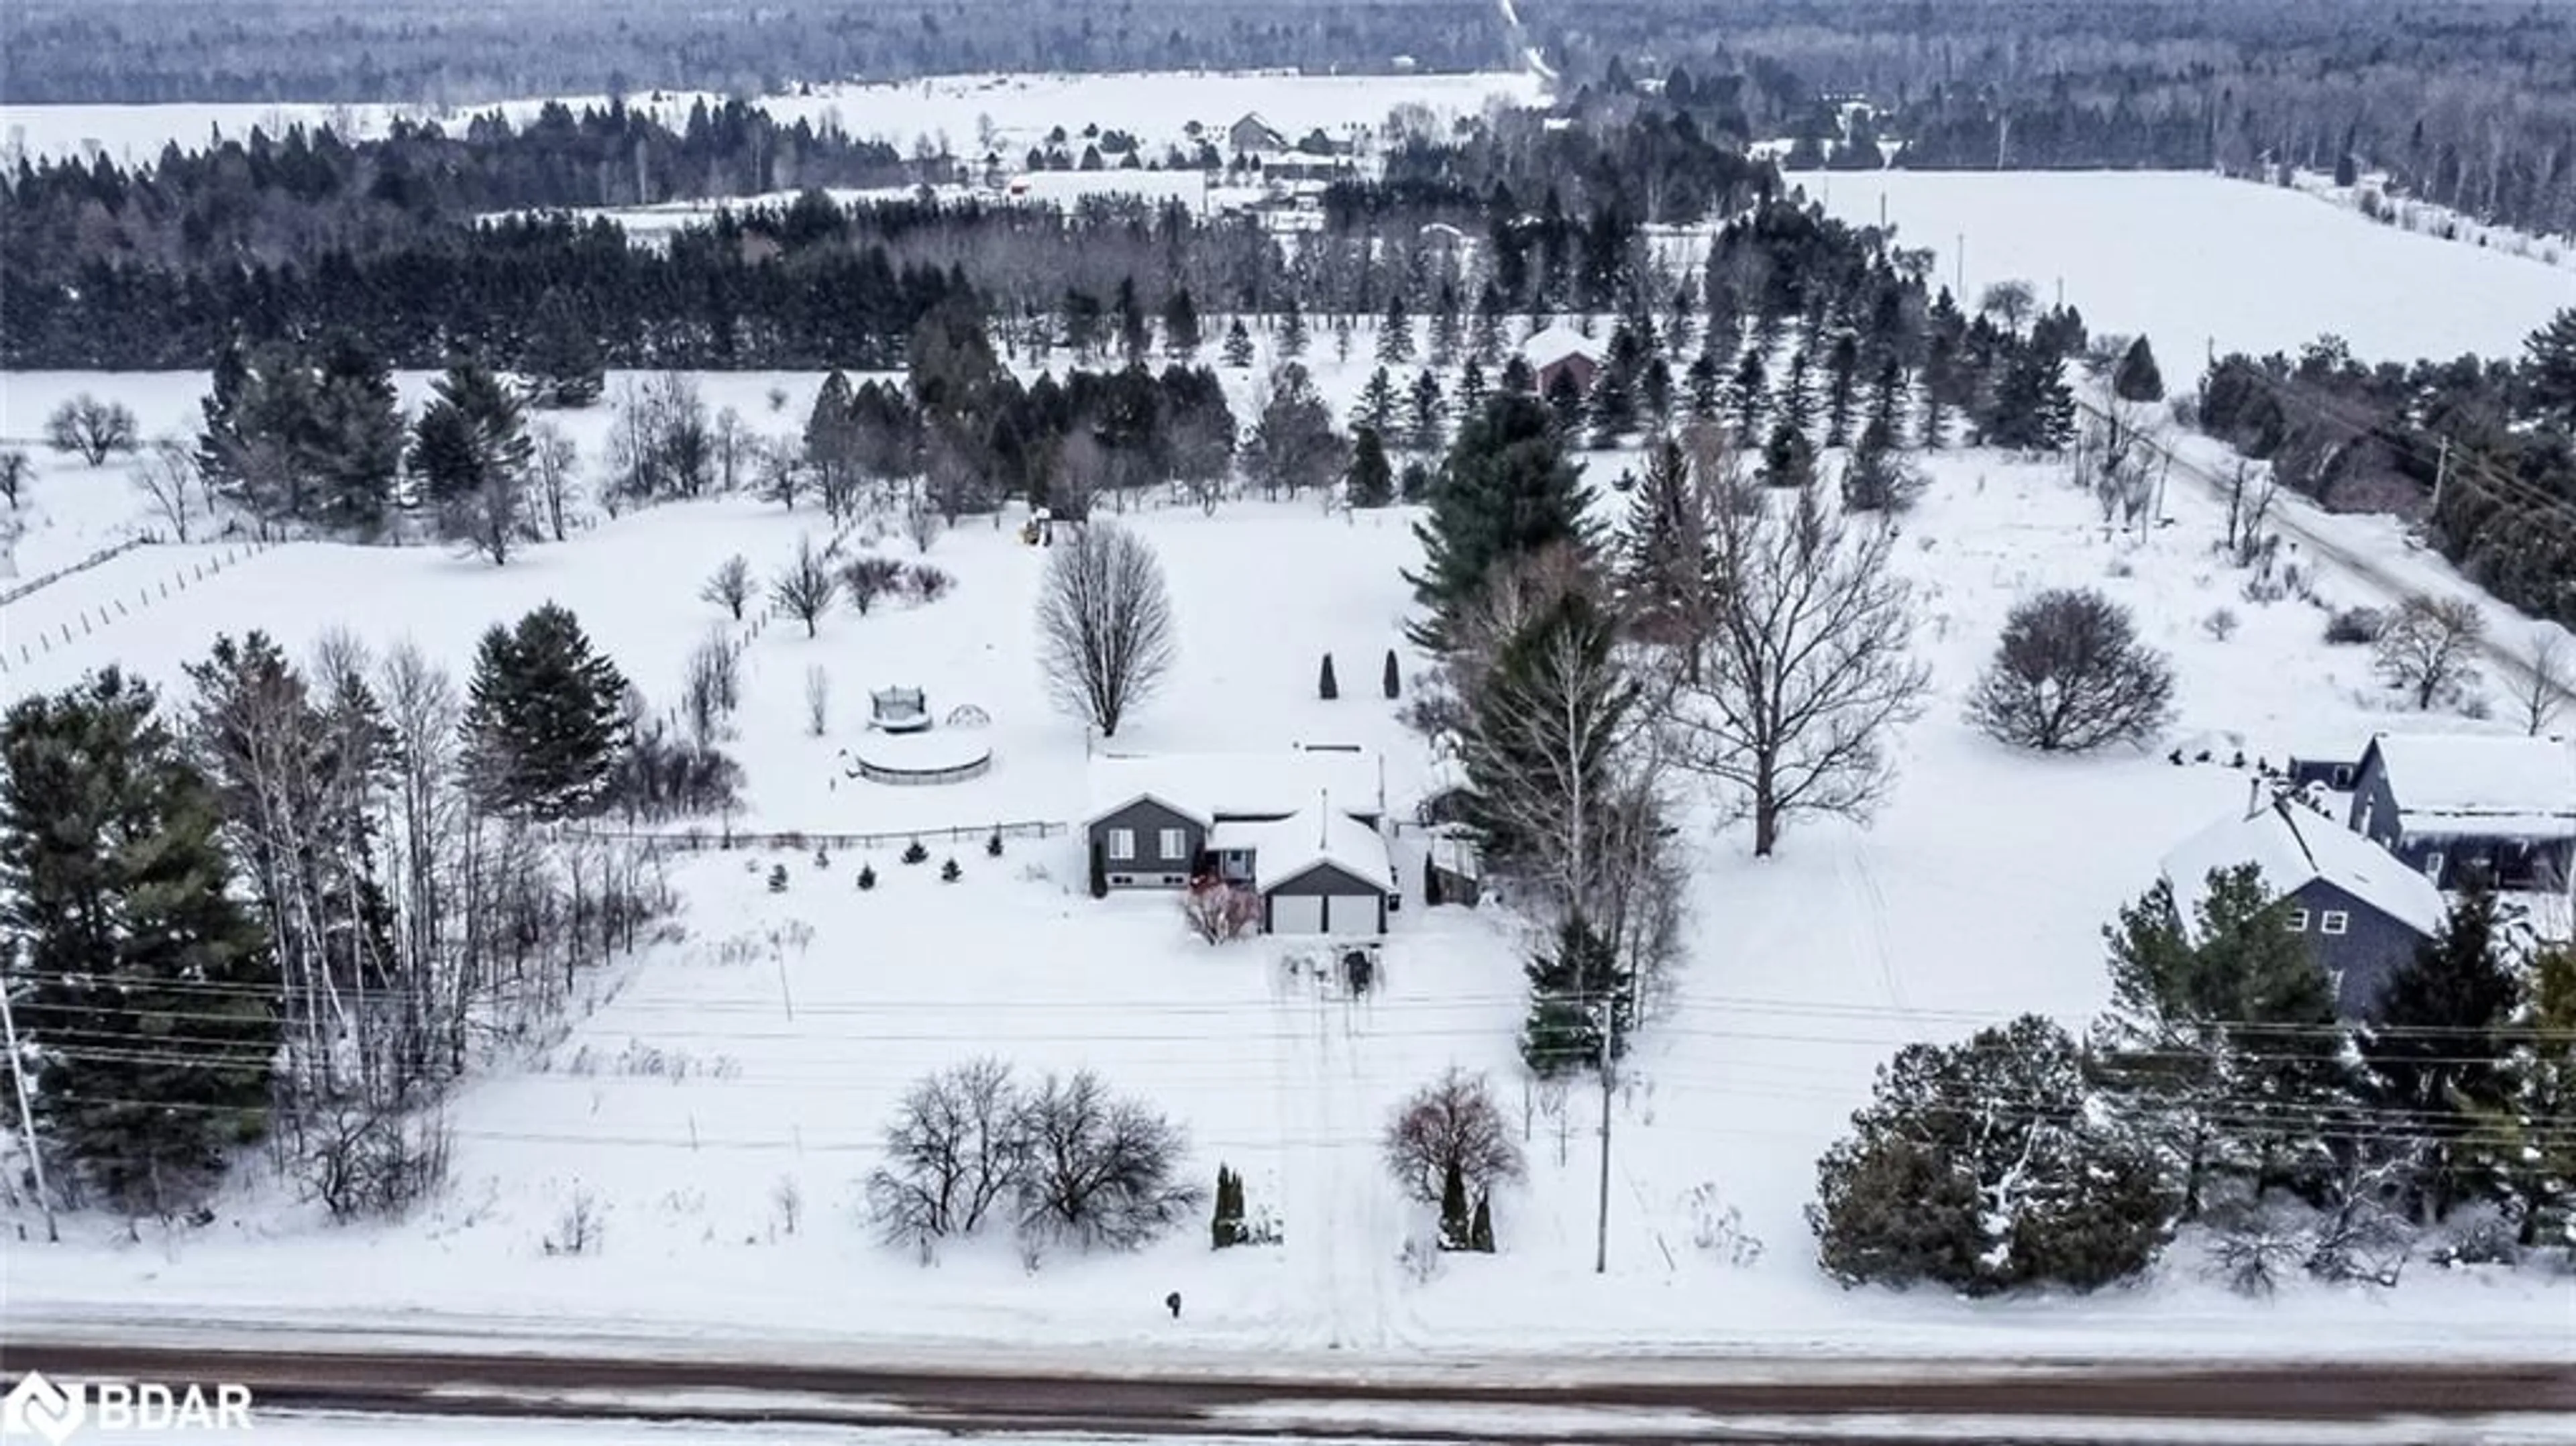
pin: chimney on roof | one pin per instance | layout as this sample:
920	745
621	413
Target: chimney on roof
2255	802
1324	821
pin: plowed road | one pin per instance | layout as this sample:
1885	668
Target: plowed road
1672	1403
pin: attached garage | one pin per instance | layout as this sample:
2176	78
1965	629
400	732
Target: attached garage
1326	899
1296	913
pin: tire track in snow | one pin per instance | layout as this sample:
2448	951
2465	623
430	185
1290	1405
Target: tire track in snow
1867	920
1306	1171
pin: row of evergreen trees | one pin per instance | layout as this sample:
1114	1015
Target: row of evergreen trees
291	905
2221	1091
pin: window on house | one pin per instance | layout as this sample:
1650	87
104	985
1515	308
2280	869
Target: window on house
2298	921
2433	866
1175	843
2334	921
1122	843
2343	776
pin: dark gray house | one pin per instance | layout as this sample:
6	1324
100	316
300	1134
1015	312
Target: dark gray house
2463	808
1301	828
2361	909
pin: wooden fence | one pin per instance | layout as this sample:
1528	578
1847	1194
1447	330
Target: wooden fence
89	620
700	840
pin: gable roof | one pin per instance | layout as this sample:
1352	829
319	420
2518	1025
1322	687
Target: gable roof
2481	783
1291	846
1205	784
1556	343
2291	847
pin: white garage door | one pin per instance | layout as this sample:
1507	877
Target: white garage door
1346	915
1296	914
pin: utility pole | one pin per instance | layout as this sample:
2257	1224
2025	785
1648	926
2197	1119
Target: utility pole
1959	270
2441	474
1609	1087
27	1115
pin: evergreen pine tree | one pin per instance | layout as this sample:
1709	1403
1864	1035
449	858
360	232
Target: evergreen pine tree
1612	407
2434	1053
1457	1227
1181	325
2136	378
1425	409
1572	982
563	362
1749	398
1444	327
1940	386
1395	334
1471	388
1135	338
114	882
1796	405
1292	331
1508	492
2033	409
1377	403
544	721
355	447
472	435
1842	387
1480	1230
1887	397
1238	345
2525	1148
1564	405
1788	460
1655	391
1485	335
2549	366
1325	687
1704	383
1372	478
1390	679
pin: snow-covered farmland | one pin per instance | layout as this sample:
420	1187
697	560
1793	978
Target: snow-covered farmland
700	1085
1154	107
2198	261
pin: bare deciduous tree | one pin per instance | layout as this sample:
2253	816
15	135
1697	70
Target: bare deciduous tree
92	429
2542	690
1101	1170
494	518
2070	675
2430	647
1451	1122
730	586
711	689
166	474
15	469
554	463
1105	625
957	1148
818	700
782	472
1221	912
1805	666
804	589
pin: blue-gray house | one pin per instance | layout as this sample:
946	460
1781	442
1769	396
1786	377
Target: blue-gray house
2464	808
2363	911
1302	829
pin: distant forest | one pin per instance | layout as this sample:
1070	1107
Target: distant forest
463	52
2466	104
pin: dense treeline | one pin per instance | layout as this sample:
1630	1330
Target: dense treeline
2464	106
288	238
433	52
2484	448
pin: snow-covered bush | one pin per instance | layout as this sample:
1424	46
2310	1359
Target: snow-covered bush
2220	625
581	1226
2070	676
1221	912
1717	1228
2352	627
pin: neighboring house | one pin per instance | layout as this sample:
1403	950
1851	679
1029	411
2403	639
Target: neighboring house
2466	808
1302	828
1452	872
2362	911
1561	351
1253	135
2322	769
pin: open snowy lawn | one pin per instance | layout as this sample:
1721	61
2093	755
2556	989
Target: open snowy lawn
2195	261
1155	107
770	1044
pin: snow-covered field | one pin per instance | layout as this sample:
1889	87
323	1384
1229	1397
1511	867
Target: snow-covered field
2197	261
1155	107
701	1084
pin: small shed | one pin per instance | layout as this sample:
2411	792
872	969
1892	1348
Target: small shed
1451	871
1561	351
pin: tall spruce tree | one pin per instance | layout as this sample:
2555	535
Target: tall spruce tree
546	719
1395	333
355	446
2135	378
1507	492
2549	366
472	436
1181	335
1582	1004
2525	1147
146	995
1372	478
564	363
2434	1052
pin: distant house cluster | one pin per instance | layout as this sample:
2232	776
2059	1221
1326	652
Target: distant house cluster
2362	849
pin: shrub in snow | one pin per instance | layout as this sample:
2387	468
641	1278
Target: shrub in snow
865	579
2070	675
867	876
581	1226
1451	1131
1100	1169
822	858
1218	912
778	878
2354	627
1974	1167
993	845
949	873
1718	1228
730	587
2220	625
914	853
1226	1228
786	1204
926	583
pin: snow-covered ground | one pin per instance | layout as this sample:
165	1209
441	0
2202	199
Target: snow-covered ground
1153	106
703	1083
2197	261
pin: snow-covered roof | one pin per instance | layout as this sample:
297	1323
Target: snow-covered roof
1556	343
1455	853
2481	783
1283	850
1206	784
2291	847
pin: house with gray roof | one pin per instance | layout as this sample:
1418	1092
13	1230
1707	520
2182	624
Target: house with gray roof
2362	910
2467	808
1302	828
